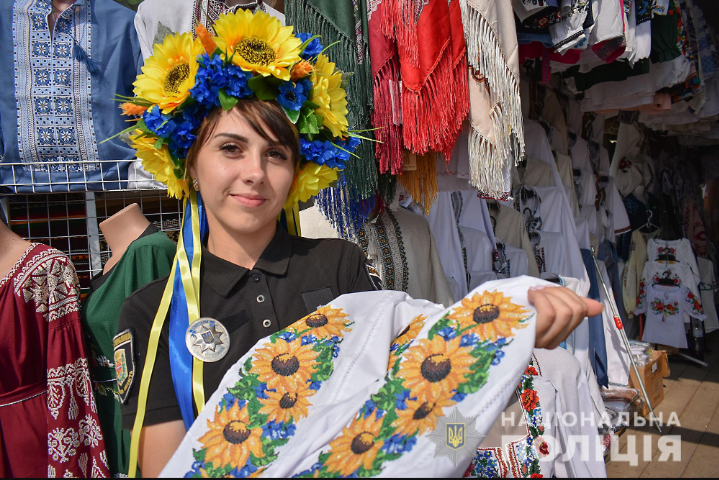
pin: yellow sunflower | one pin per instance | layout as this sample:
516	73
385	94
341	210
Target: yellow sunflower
491	314
285	365
230	440
408	335
421	415
357	446
286	404
434	368
159	163
258	43
169	75
327	322
309	181
330	96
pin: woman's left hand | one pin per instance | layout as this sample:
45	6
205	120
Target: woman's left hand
559	312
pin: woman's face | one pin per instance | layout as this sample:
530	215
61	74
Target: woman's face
244	179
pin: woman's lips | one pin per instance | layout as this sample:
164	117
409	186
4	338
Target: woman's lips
252	201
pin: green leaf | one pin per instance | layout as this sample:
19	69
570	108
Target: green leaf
159	143
227	102
293	115
311	105
263	88
308	123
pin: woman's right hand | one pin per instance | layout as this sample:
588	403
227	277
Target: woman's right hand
559	312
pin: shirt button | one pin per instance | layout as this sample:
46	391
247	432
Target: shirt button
267	323
256	278
261	299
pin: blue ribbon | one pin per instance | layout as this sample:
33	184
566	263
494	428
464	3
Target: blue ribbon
180	357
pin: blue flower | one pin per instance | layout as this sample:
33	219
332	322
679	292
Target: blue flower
311	471
309	340
195	470
160	124
209	80
292	96
278	431
498	357
399	444
260	391
235	82
245	472
315	386
469	340
459	397
313	49
288	337
335	351
323	153
228	400
447	333
402	400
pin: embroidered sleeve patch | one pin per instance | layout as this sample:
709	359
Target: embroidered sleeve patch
124	363
374	276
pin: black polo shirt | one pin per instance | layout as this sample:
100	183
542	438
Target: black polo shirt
293	277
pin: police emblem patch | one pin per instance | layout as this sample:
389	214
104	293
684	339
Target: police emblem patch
456	437
124	363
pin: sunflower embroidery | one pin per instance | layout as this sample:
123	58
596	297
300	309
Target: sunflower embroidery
159	163
230	440
287	365
327	322
491	315
258	43
420	417
404	339
435	367
285	405
357	447
169	75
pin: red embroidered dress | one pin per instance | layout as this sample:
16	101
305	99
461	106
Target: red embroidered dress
48	417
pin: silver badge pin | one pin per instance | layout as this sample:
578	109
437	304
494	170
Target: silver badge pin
208	340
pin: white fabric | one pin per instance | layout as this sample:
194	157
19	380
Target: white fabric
609	20
479	251
359	371
642	41
666	326
681	251
679	272
315	225
618	362
519	261
444	229
582	162
157	18
708	288
575	401
511	230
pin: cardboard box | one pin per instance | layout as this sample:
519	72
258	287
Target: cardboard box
653	375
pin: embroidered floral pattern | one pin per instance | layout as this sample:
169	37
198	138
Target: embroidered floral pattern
259	414
51	283
387	235
523	461
666	309
430	376
66	386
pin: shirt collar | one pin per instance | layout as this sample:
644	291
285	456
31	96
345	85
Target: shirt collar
275	260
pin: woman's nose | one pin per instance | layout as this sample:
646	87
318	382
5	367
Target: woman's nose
252	170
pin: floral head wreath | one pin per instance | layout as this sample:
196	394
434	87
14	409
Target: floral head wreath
248	56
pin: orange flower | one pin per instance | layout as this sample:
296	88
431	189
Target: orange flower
530	400
132	110
207	39
301	70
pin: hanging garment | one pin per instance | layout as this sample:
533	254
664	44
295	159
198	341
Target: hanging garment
496	126
569	31
48	419
694	227
361	390
445	230
57	109
553	389
618	362
566	173
145	260
597	342
607	37
509	227
401	247
634	271
668	309
535	173
156	19
707	289
553	114
675	252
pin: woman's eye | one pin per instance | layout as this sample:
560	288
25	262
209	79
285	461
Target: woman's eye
279	154
230	148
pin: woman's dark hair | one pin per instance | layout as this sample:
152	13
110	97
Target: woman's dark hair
258	114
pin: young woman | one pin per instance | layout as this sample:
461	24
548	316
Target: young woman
255	278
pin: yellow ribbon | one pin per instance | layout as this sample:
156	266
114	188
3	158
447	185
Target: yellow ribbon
293	220
191	285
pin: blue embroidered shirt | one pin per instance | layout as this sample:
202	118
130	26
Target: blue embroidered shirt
58	106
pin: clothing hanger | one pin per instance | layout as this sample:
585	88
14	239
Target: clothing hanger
665	280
